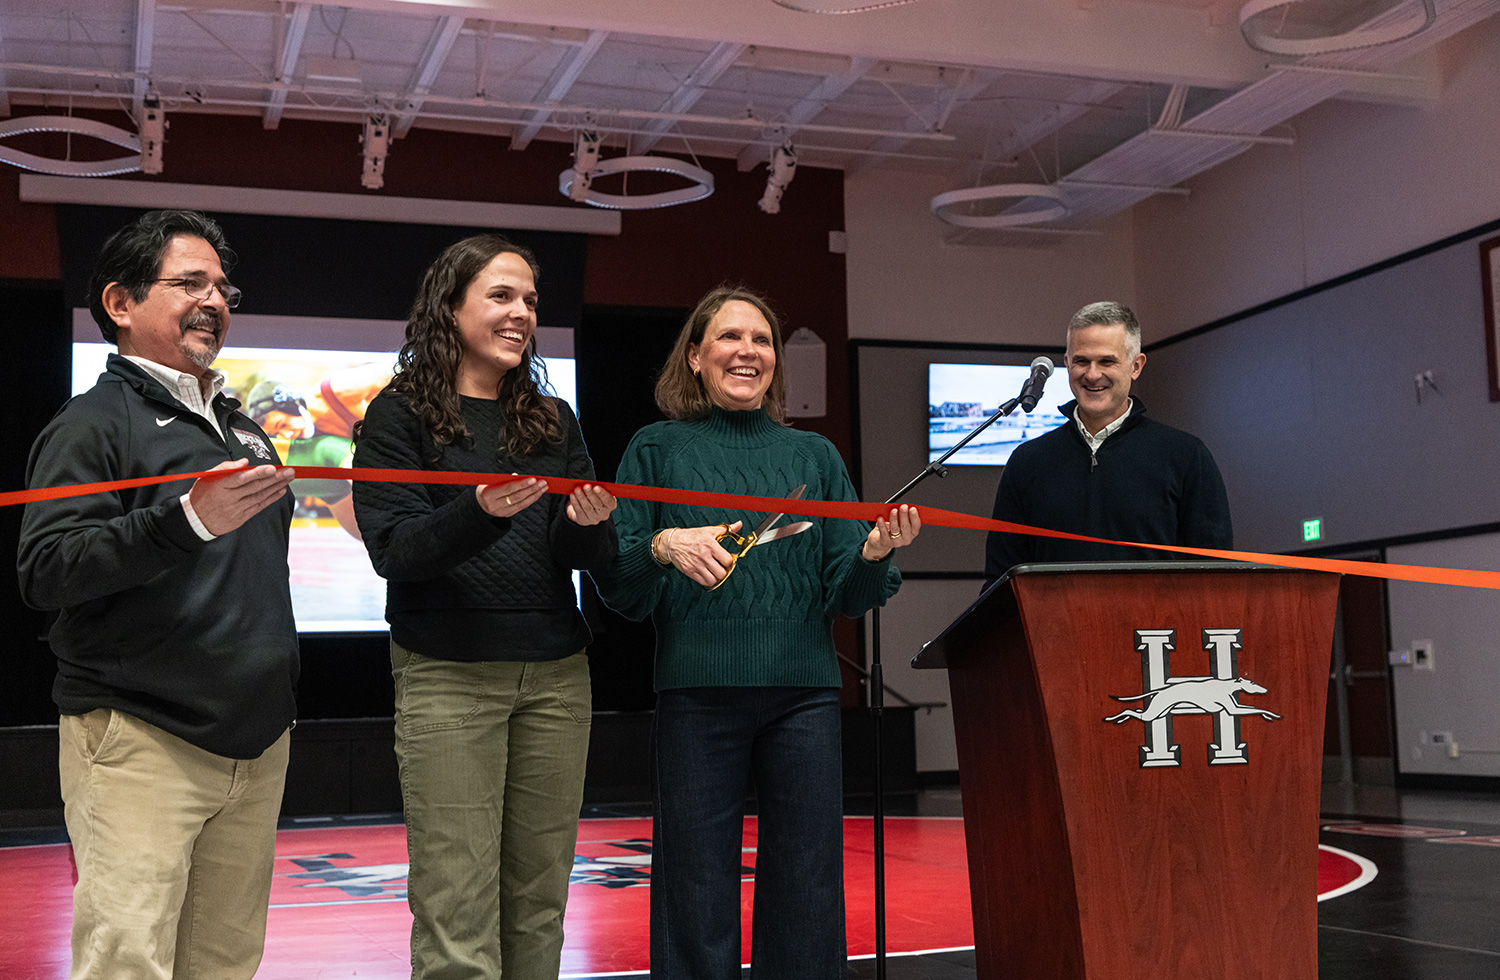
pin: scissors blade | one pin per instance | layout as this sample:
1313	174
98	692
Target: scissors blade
760	529
785	531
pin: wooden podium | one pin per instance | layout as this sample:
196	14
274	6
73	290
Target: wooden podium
1131	811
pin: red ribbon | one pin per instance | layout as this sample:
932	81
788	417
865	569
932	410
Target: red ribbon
803	508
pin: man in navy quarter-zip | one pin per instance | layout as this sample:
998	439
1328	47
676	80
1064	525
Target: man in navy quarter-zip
176	649
1110	472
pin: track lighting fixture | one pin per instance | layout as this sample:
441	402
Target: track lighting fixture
585	162
783	168
377	141
152	135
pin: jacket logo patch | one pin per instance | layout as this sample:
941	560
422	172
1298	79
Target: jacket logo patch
254	443
163	423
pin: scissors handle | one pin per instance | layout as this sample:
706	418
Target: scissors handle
744	541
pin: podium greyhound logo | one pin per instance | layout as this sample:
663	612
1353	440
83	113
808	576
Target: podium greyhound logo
1166	696
1204	693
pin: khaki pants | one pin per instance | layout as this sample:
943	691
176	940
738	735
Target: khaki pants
174	847
492	758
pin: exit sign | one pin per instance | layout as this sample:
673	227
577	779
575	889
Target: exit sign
1312	530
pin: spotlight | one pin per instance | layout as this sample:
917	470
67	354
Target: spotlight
585	160
152	135
377	141
783	169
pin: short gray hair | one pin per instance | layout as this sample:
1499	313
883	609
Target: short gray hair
1107	314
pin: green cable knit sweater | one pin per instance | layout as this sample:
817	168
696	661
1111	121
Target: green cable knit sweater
770	624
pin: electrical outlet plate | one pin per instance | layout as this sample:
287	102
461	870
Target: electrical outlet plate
1422	654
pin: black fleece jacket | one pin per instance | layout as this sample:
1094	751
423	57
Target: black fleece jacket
1149	482
194	637
460	584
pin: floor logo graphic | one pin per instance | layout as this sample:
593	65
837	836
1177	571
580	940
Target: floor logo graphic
1166	696
626	863
623	862
368	881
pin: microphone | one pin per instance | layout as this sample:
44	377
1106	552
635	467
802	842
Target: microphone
1031	392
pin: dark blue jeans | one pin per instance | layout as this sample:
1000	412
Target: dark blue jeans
708	745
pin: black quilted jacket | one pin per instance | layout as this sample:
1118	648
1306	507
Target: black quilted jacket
460	584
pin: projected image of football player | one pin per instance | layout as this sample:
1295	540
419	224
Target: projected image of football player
330	407
316	424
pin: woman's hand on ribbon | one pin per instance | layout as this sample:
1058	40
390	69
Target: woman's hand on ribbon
589	504
509	499
896	530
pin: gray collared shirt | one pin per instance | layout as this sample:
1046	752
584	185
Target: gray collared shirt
1096	439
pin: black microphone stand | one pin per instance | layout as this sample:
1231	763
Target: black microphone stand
877	694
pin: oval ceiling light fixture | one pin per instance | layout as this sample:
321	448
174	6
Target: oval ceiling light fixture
856	7
74	126
1046	203
1302	47
702	183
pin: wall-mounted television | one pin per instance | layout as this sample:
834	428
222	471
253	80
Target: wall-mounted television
961	396
334	587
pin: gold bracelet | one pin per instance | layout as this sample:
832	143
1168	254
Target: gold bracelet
657	555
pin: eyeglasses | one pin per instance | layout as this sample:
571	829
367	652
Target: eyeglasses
200	288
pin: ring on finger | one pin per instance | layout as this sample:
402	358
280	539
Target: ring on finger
895	533
507	501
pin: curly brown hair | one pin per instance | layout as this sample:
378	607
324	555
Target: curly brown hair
679	391
427	367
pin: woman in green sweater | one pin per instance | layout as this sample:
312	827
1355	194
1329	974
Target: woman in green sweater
746	675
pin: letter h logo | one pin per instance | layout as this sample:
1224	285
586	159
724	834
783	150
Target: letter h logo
1167	696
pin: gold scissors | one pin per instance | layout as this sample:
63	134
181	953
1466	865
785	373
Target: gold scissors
764	531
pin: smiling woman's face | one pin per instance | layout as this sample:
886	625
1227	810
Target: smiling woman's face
496	320
737	358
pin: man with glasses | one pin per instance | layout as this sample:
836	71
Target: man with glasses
175	645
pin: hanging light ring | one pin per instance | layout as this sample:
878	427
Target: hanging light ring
702	183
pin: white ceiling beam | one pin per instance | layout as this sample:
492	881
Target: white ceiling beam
558	86
286	65
438	46
145	35
709	70
973	84
1140	42
1148	158
1044	124
809	107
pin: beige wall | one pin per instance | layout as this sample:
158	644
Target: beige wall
905	283
1362	184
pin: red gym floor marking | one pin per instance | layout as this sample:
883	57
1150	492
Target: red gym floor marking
338	901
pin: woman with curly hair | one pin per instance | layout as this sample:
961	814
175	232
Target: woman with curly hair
493	702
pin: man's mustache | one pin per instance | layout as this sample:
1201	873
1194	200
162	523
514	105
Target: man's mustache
200	321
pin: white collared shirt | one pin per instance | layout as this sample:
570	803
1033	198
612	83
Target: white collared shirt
1096	439
189	391
186	388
